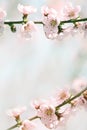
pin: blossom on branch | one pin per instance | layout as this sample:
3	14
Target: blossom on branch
70	12
27	30
50	21
27	125
78	84
25	10
62	95
48	116
16	112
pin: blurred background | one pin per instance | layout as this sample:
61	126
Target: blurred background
37	68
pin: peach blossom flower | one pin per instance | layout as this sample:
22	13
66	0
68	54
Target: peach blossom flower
48	116
27	30
70	12
15	112
25	10
27	125
78	85
51	22
62	95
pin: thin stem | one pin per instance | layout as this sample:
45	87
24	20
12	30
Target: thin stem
40	22
14	126
33	118
18	124
73	21
20	22
13	22
70	99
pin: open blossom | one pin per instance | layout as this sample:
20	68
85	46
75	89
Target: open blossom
27	125
78	85
48	116
15	112
63	115
51	22
62	95
25	10
70	12
27	30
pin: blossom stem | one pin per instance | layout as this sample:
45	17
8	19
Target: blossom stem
18	124
20	22
33	118
13	22
14	126
70	99
73	21
40	22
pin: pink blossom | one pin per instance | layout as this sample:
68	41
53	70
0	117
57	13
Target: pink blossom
79	103
25	10
62	95
67	31
27	125
27	30
51	22
78	85
64	114
2	14
15	112
70	12
48	116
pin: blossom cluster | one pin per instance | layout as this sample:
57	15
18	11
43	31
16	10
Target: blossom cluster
55	26
55	111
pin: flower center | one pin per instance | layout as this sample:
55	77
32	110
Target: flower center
63	95
71	14
49	112
53	23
